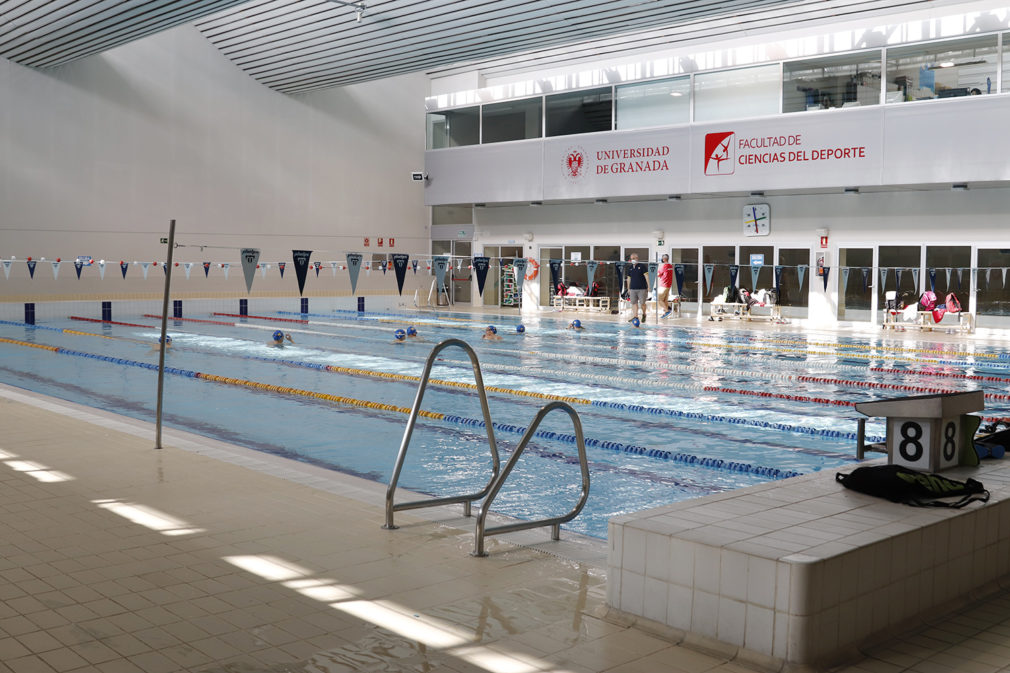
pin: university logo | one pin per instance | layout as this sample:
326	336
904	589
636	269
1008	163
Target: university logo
720	153
575	163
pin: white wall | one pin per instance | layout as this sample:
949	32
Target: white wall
96	157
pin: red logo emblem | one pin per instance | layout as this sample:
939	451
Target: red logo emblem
575	165
366	242
720	153
380	241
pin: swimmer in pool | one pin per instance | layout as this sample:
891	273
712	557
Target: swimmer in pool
278	339
168	344
491	333
412	333
576	325
399	336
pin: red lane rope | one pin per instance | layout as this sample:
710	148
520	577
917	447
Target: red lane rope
780	396
112	322
262	317
953	375
872	384
208	322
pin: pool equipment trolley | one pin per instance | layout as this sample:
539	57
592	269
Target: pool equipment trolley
925	432
468	498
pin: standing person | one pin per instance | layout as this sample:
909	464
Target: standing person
638	284
664	283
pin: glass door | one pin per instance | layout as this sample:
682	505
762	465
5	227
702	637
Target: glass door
855	284
546	255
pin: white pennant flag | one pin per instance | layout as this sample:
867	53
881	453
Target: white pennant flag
144	267
7	268
56	269
186	267
101	269
226	266
333	267
263	270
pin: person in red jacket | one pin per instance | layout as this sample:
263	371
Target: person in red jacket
664	282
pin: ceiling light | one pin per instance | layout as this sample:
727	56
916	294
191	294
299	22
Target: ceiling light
757	193
947	64
601	201
673	197
536	203
959	187
480	205
676	93
852	190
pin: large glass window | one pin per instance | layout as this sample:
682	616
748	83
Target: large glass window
453	128
943	261
899	270
580	112
761	269
574	267
606	272
689	258
514	120
942	70
745	92
855	280
720	257
794	289
993	295
840	81
658	103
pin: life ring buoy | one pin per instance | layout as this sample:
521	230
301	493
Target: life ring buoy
532	268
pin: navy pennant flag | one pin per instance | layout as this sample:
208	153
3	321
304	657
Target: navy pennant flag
619	268
280	267
653	272
778	278
734	269
413	265
206	269
824	277
480	267
317	266
866	277
353	267
883	278
519	268
77	267
897	276
31	268
123	266
591	265
300	258
250	257
400	268
555	274
441	264
678	273
709	270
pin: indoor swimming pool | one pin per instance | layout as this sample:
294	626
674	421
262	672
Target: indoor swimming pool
669	412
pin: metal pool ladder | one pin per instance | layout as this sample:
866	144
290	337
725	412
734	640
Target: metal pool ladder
468	498
554	522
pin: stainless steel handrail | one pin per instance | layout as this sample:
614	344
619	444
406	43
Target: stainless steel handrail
555	522
414	410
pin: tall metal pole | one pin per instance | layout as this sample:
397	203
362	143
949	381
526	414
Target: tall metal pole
164	333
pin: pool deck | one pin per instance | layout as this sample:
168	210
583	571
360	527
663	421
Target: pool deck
202	556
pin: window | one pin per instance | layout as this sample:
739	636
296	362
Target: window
942	260
993	295
659	103
453	128
720	257
794	290
515	120
765	273
841	81
899	269
580	112
941	70
855	278
689	258
745	92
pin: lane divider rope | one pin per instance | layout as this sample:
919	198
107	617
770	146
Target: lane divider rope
260	317
111	322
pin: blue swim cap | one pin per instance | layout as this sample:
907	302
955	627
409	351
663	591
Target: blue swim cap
576	323
635	322
492	329
400	335
411	331
520	328
168	339
278	336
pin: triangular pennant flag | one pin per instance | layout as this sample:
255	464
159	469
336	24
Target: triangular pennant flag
56	269
263	269
883	278
187	267
400	268
480	267
897	276
7	269
1004	276
653	274
300	258
555	274
164	266
280	267
619	270
755	269
413	266
441	264
382	265
778	278
948	278
250	257
678	273
801	271
144	266
368	268
591	265
459	264
31	268
353	268
318	265
866	277
915	280
974	272
77	267
123	266
226	266
734	270
845	279
824	277
333	268
959	279
101	269
988	269
709	270
206	269
932	280
519	269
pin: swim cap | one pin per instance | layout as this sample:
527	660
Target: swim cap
400	335
278	336
576	323
168	339
635	322
520	328
411	331
492	329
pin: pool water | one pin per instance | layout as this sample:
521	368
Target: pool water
668	412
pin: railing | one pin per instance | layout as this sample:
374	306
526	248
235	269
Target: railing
555	522
401	456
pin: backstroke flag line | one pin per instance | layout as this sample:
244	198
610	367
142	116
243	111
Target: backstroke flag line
250	256
400	268
519	268
301	261
480	266
353	267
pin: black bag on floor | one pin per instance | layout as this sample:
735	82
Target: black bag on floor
919	489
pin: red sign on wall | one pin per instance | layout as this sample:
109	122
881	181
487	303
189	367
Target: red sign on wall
391	241
366	241
379	240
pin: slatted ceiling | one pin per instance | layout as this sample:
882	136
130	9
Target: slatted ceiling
45	33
